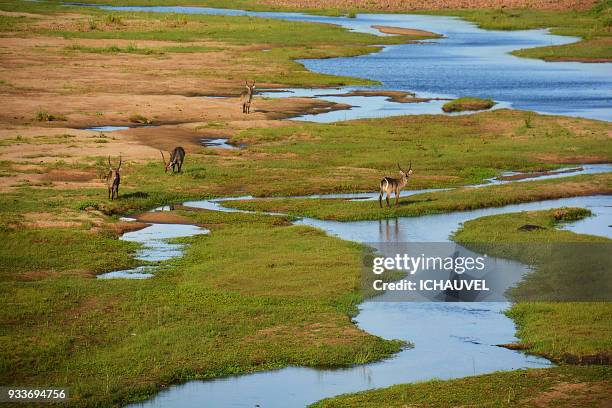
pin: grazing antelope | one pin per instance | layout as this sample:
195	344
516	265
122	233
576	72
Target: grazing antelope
177	157
246	96
113	179
390	185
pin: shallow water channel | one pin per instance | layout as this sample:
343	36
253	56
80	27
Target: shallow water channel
451	339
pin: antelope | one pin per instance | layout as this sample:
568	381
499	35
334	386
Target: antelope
390	185
246	96
113	179
176	159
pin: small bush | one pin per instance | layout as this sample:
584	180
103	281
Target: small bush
44	116
137	118
570	214
113	19
468	104
85	204
175	21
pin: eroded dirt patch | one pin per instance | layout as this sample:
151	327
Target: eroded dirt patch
565	394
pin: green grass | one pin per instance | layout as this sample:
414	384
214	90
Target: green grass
463	199
572	332
567	266
597	49
43	250
114	49
445	151
238	30
309	158
10	23
228	306
468	104
37	140
521	388
190	48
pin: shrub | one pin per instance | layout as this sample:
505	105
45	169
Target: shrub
44	116
467	104
113	19
571	214
137	118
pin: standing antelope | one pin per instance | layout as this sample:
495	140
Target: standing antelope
176	159
113	179
246	96
390	185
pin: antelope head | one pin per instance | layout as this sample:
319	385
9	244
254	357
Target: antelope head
114	169
113	172
167	164
405	174
249	88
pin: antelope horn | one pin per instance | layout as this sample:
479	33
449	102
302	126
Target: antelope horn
163	158
110	166
410	168
398	166
120	161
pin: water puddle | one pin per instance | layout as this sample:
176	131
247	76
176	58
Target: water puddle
220	143
107	128
155	248
116	128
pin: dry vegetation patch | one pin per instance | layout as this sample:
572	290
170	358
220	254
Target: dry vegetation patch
574	394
